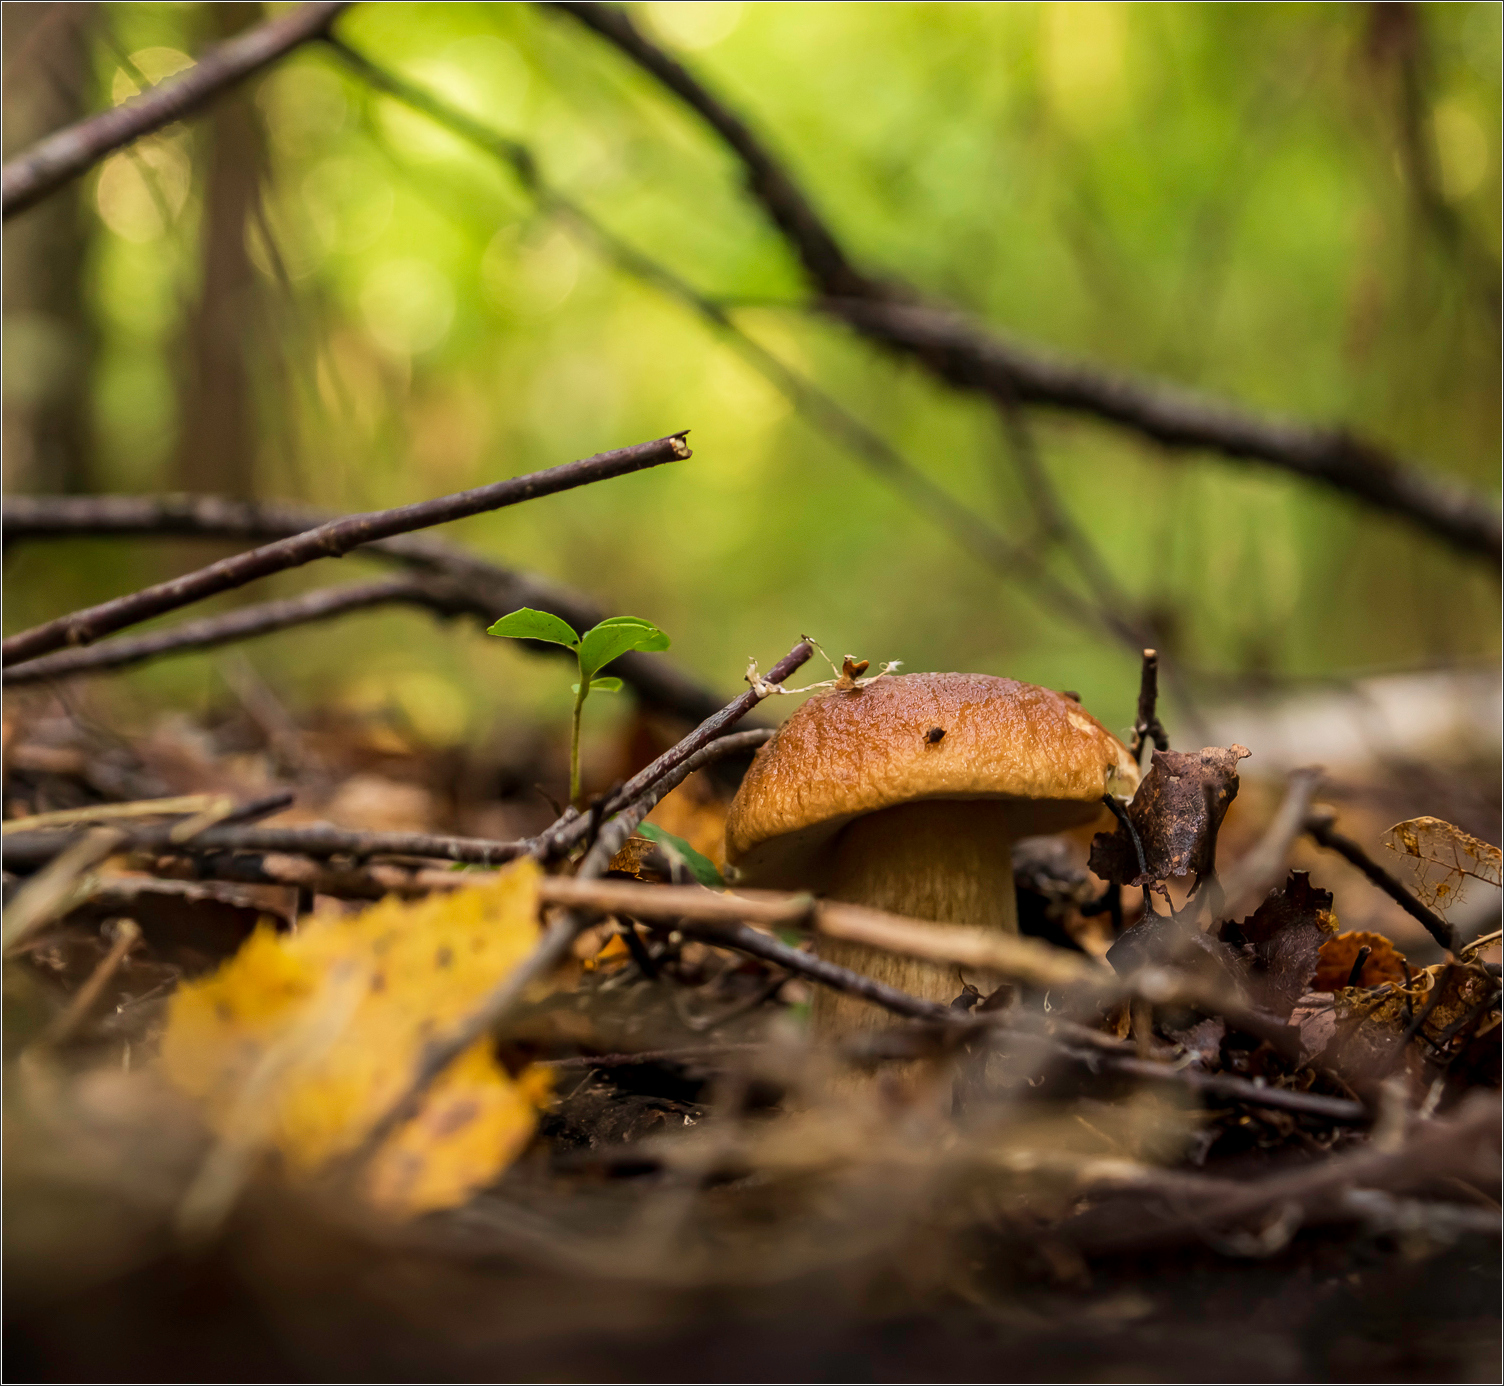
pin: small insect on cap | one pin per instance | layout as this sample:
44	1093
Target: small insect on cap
911	737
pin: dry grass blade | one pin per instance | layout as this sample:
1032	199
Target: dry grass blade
109	813
60	885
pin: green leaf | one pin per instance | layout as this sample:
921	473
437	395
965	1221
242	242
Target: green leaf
614	637
600	686
527	624
697	864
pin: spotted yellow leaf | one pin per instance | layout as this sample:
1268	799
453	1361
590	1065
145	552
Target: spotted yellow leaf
385	982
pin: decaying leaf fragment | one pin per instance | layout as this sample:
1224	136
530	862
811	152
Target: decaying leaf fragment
1176	812
416	968
1360	1031
1443	859
1384	962
1280	942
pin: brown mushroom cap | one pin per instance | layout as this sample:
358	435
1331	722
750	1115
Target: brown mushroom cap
914	737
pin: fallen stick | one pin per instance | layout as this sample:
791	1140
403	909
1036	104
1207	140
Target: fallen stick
292	855
332	540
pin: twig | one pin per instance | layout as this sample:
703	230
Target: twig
1129	623
711	729
244	624
1469	1018
701	1024
1121	814
1418	1022
331	541
1319	824
25	851
62	156
638	949
32	849
1146	725
1025	959
1226	1085
1182	1208
747	940
971	359
67	1023
51	893
468	583
1357	968
824	261
1459	1147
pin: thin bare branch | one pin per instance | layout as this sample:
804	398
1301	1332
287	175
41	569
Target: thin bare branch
332	540
471	584
1146	724
244	624
1319	824
63	155
972	358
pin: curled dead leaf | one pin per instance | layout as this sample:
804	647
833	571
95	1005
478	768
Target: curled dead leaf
1176	813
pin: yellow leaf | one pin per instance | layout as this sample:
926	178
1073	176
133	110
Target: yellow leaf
418	967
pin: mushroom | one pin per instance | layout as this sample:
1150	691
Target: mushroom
906	794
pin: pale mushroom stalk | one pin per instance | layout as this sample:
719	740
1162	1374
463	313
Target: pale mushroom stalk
948	860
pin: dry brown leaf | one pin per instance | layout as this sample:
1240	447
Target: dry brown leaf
1280	943
632	859
1443	859
1383	964
1176	812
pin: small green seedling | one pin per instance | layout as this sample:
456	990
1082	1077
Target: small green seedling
599	645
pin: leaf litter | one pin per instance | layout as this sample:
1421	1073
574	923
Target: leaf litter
726	1160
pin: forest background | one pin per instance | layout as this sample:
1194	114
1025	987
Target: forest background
317	293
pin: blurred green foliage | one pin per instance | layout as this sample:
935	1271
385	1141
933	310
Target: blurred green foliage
1215	194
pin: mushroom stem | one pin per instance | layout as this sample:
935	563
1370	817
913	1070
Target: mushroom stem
948	860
